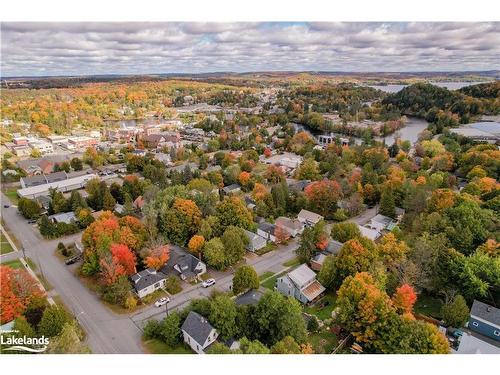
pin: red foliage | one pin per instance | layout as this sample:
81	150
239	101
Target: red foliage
404	298
17	288
111	270
267	152
125	257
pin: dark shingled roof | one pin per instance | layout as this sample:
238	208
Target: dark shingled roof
197	327
146	278
267	227
249	298
486	312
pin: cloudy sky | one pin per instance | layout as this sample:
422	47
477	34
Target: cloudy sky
30	49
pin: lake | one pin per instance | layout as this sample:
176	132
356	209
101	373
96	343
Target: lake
449	85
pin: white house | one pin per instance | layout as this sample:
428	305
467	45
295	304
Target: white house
370	233
255	242
293	227
301	284
148	281
198	333
309	218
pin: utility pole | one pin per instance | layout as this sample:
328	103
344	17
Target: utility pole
166	308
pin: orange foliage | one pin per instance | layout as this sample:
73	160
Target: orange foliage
125	257
259	192
487	184
441	199
404	298
157	257
244	178
267	152
111	270
17	288
196	243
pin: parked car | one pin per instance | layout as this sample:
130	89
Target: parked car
6	205
208	282
162	301
73	259
32	221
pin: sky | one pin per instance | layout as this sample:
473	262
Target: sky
82	48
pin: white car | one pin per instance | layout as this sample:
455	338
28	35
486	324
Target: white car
162	301
208	282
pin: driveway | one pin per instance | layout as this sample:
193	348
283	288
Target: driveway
106	331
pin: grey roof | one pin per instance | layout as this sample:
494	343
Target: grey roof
197	327
229	188
146	278
185	262
298	185
310	216
34	180
301	275
249	298
486	312
63	217
334	247
56	176
267	227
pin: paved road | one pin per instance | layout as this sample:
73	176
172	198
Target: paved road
272	261
107	332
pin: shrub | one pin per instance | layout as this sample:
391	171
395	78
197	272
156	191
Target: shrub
173	285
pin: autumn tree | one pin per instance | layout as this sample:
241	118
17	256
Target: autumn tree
157	255
196	244
322	197
308	170
356	255
245	278
232	211
274	174
125	257
181	221
403	299
17	289
259	192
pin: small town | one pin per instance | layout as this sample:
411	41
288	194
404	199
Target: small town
259	212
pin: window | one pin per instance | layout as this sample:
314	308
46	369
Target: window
475	324
496	333
157	285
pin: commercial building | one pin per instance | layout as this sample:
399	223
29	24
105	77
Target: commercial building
68	184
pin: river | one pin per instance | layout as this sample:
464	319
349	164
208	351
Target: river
449	85
413	127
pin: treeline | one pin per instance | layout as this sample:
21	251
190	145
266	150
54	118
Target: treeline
441	106
490	90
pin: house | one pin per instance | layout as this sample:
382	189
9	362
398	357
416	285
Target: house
82	142
255	242
333	247
198	333
119	209
471	344
63	217
189	267
231	343
370	233
148	281
293	227
42	146
252	297
21	151
379	222
231	189
72	182
267	231
485	319
297	185
251	204
301	284
317	261
309	218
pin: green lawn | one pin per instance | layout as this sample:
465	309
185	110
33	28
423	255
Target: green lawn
428	305
323	342
14	264
325	312
4	245
154	346
266	249
292	262
271	282
11	193
265	275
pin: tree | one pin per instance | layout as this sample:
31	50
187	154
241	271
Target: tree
35	309
387	203
308	170
311	240
170	329
157	256
345	231
357	255
322	196
117	292
108	202
67	342
17	289
392	251
259	192
53	320
223	316
214	254
245	278
274	174
327	275
456	312
196	244
111	270
234	240
181	221
287	345
76	164
23	327
403	299
252	347
276	317
125	257
30	209
232	211
219	348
